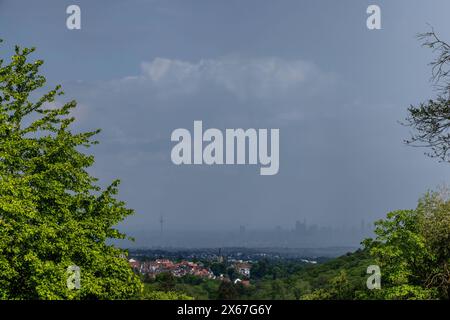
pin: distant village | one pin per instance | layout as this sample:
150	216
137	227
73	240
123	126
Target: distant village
198	262
182	268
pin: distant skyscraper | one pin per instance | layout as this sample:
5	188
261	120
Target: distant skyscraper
300	227
161	222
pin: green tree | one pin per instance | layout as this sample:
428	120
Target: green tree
300	287
341	287
226	291
279	290
338	288
52	213
169	295
434	214
218	268
166	281
259	269
232	273
412	249
149	293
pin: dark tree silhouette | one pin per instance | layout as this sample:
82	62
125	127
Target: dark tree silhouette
430	120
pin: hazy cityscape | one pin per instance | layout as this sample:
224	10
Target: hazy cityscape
300	235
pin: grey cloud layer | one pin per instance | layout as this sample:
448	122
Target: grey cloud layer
263	78
227	91
332	143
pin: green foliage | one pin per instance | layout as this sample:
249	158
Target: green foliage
218	268
412	249
192	286
232	273
227	291
166	281
343	278
150	293
52	214
274	269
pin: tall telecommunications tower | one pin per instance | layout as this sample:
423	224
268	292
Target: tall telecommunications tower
161	222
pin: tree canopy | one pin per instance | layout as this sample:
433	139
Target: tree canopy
53	215
412	248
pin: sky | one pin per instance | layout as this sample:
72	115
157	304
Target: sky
335	89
